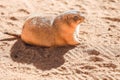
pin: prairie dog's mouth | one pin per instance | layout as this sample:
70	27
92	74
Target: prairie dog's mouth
76	33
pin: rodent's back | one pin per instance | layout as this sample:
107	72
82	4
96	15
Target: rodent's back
37	31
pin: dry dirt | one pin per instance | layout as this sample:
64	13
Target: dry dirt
96	58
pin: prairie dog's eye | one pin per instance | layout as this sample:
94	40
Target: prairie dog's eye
75	18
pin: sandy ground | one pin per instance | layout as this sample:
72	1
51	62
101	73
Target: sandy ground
96	58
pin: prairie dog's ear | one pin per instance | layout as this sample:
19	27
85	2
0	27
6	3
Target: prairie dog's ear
82	18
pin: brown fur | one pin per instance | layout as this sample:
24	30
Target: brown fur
39	31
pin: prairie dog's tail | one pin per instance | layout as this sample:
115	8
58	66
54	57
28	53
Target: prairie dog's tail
15	36
12	34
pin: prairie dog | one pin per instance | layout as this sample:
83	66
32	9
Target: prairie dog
63	30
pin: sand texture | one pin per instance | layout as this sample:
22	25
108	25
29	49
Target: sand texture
97	57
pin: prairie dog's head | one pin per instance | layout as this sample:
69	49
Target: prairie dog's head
72	17
69	18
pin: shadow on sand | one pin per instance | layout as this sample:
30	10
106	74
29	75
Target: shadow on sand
41	58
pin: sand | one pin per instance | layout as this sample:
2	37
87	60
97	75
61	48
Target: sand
97	57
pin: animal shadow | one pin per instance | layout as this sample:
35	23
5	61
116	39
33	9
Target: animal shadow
41	57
